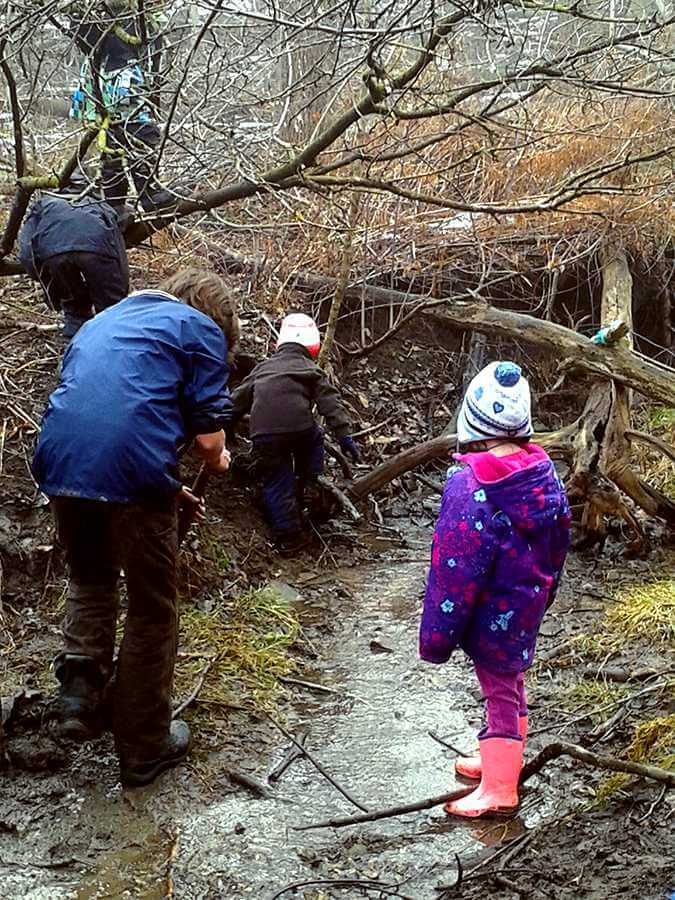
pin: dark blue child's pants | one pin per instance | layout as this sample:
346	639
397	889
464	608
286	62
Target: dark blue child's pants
286	463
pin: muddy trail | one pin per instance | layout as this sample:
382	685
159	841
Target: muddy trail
68	830
198	833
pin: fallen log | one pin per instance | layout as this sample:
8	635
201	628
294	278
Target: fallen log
579	353
549	753
436	448
557	443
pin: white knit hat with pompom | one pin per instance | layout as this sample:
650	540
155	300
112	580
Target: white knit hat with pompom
497	404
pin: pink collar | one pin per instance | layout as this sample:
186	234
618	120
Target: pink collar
490	469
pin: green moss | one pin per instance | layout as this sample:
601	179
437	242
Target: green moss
661	417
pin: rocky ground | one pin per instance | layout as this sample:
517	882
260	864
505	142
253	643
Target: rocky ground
329	653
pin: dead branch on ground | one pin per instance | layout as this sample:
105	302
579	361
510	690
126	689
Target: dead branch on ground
549	753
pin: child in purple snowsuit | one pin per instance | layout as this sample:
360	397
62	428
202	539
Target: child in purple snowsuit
499	546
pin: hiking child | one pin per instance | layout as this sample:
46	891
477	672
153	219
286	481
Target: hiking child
119	79
499	547
287	443
75	249
139	381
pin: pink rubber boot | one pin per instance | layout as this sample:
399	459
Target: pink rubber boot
469	766
502	760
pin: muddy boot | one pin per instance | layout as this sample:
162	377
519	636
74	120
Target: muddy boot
157	199
137	773
291	543
79	700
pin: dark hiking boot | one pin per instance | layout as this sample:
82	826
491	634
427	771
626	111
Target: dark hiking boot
157	199
78	705
288	544
174	751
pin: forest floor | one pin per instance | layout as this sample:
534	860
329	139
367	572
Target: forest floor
325	645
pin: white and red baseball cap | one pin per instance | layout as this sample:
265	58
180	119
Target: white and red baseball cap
297	328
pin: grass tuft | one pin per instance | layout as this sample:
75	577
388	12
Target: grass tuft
592	695
645	611
247	641
653	742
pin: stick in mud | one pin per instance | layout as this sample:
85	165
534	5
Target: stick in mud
195	691
294	752
550	752
317	765
248	781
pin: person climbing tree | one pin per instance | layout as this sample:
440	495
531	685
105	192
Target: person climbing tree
75	249
122	58
287	443
139	381
499	547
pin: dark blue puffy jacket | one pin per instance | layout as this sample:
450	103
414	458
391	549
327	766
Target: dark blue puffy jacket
138	381
56	225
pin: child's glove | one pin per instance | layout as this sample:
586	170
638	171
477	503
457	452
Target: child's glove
347	445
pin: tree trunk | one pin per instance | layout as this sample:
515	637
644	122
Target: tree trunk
336	304
602	469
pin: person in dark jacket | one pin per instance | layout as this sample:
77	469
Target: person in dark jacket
119	79
288	444
139	382
76	251
499	547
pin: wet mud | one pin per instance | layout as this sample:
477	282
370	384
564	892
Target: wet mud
76	834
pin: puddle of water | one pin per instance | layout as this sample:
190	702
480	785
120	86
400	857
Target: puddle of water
373	739
372	736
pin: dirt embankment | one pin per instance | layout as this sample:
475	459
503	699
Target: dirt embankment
329	651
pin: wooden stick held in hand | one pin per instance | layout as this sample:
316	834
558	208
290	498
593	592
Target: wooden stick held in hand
188	511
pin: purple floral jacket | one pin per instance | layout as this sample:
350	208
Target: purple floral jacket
500	543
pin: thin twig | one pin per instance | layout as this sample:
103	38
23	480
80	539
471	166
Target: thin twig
376	427
310	685
195	691
550	752
391	890
447	745
289	757
317	765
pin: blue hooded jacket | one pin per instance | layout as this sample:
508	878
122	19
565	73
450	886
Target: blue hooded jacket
138	381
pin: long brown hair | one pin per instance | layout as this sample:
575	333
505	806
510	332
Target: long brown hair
208	293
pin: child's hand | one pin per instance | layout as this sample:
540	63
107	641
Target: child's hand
348	445
191	501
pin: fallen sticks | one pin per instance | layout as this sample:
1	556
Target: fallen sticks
389	812
310	685
195	691
382	887
446	744
550	752
317	765
248	781
608	763
294	752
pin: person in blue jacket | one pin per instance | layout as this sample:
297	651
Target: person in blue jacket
139	382
75	249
